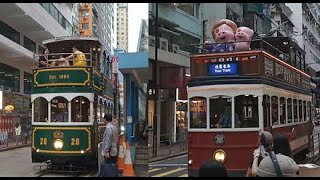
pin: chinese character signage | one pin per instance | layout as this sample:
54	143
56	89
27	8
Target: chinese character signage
223	69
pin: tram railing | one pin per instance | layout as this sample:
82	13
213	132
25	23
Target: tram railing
55	60
256	44
315	146
171	143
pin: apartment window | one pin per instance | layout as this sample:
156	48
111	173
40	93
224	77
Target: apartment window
85	26
53	11
9	32
10	77
29	44
27	83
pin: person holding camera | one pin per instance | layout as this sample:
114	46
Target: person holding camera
265	147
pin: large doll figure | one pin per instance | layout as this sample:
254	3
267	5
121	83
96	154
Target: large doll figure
243	34
223	32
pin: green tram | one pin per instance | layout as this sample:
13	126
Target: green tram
80	94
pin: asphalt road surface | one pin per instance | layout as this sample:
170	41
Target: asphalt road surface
173	167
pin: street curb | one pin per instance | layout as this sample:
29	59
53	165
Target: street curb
167	157
14	147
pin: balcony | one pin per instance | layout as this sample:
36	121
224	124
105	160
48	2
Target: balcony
169	53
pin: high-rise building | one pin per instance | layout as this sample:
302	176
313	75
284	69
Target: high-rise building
122	26
143	37
306	18
23	27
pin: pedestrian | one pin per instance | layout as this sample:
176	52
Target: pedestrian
109	149
265	146
277	165
281	145
78	56
213	168
17	129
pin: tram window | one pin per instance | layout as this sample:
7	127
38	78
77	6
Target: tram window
99	113
300	111
304	111
40	110
198	112
266	110
103	108
283	108
80	109
295	110
59	109
220	112
246	111
274	110
308	111
289	109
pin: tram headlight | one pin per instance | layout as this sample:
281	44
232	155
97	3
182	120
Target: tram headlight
219	155
58	144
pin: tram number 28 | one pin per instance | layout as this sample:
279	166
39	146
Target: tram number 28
75	141
43	141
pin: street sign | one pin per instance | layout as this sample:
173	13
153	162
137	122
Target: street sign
115	66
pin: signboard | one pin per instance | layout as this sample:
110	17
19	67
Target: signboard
62	77
217	69
115	64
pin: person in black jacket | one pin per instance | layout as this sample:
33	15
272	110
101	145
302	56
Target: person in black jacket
43	58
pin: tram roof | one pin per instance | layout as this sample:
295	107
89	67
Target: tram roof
65	43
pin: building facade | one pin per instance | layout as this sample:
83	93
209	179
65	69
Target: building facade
23	28
122	26
178	25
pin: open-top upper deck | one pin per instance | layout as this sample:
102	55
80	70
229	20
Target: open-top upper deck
272	61
58	74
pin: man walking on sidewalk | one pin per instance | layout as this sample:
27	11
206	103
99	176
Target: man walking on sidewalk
109	149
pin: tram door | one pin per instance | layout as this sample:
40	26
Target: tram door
266	105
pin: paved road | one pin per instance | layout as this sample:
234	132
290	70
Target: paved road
17	163
173	167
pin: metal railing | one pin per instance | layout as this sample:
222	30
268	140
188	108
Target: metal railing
315	146
56	60
171	143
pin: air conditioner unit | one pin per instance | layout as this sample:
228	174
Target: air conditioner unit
86	15
175	48
239	19
163	44
229	13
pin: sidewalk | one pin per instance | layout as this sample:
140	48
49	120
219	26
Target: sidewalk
13	145
166	152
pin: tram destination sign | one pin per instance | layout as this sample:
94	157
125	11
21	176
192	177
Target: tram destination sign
216	69
61	77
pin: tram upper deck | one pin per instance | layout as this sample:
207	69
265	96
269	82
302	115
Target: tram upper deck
64	75
275	61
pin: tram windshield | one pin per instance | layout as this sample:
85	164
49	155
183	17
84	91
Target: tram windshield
62	110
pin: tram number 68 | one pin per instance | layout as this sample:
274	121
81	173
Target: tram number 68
75	141
43	141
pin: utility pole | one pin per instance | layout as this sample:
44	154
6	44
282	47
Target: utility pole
155	75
